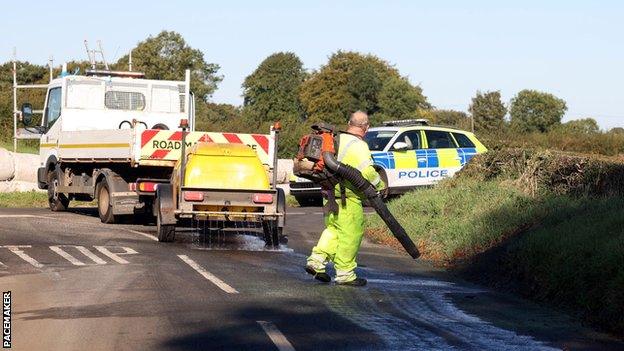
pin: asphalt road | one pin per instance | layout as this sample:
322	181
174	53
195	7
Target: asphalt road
78	284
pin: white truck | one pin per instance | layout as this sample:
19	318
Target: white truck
114	136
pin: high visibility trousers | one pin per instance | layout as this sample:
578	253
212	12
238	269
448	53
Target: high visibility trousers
340	241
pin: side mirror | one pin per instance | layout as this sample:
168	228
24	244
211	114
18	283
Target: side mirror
400	146
27	112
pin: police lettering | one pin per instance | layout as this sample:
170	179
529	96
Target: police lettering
435	173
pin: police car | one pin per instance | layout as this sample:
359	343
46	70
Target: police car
412	153
408	154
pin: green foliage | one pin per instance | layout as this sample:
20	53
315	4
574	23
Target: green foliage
617	130
580	126
398	99
27	73
608	144
351	81
22	199
215	117
451	118
488	111
532	111
167	56
561	244
271	92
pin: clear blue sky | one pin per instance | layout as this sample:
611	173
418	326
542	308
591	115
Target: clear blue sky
572	49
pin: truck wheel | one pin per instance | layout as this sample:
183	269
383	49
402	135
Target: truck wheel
166	232
272	233
105	204
57	201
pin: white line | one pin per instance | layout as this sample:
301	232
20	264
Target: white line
90	254
74	260
25	216
149	236
21	254
276	336
216	281
67	256
115	256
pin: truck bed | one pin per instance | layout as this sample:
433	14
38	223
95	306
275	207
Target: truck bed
150	147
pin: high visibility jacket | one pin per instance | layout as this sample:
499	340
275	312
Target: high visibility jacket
354	152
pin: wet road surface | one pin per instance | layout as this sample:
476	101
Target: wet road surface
78	284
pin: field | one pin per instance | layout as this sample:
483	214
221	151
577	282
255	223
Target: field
546	225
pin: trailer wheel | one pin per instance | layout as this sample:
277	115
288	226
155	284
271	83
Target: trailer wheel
166	232
272	233
105	204
57	201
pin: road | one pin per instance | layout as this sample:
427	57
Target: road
78	284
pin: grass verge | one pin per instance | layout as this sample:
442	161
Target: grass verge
27	147
23	199
561	244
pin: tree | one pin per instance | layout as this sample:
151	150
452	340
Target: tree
535	111
348	82
451	118
27	73
488	111
581	126
398	99
167	56
271	92
617	130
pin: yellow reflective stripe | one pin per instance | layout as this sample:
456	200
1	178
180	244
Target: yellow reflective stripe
364	164
93	146
47	145
405	159
343	150
448	158
376	180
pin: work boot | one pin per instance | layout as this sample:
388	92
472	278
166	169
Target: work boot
354	282
322	276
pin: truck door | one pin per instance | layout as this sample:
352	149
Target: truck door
52	112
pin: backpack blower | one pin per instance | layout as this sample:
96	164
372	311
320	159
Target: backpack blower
316	161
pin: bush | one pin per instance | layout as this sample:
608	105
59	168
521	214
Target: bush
545	224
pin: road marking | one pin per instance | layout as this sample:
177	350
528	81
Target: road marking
151	237
276	336
115	256
216	281
25	216
21	254
74	260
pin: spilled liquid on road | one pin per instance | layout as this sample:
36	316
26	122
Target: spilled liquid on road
230	236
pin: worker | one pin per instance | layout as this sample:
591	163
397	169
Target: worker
340	241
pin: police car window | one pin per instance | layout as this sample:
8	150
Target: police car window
378	139
411	138
463	140
437	139
53	110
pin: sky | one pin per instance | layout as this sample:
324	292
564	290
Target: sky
452	49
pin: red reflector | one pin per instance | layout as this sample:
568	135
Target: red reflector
193	196
147	186
263	198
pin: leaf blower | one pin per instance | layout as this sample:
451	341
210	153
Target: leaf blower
316	161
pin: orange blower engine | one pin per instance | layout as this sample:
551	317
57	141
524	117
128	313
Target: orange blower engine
309	163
